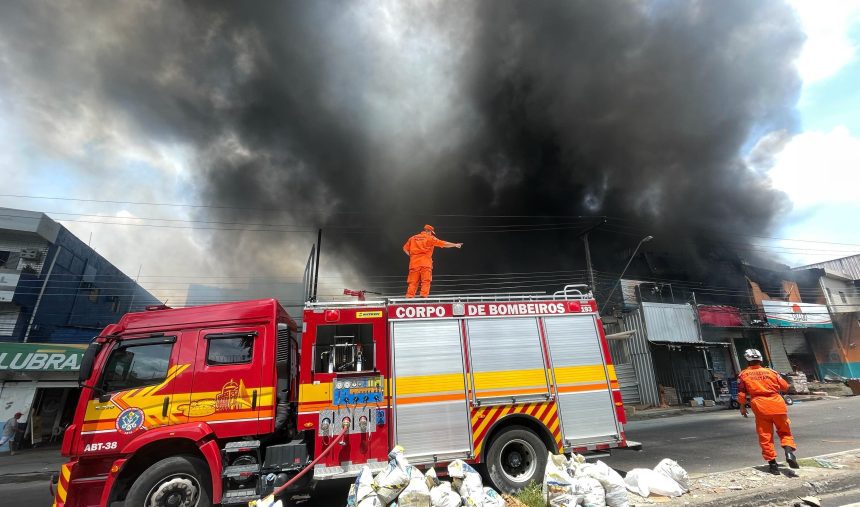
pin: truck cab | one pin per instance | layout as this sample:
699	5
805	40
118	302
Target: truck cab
176	404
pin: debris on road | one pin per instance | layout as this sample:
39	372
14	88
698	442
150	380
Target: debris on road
403	485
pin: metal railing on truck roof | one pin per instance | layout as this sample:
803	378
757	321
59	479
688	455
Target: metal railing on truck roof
570	292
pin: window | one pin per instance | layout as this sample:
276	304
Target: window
93	295
229	349
618	351
133	366
843	298
9	260
344	348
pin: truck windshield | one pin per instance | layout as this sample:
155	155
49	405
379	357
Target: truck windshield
342	348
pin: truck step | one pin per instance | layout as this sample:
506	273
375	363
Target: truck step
239	496
242	446
241	470
322	472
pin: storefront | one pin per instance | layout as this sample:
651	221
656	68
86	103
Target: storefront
801	338
40	381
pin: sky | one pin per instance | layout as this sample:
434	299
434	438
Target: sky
819	168
60	150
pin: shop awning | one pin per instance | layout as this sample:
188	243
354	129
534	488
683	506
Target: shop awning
720	316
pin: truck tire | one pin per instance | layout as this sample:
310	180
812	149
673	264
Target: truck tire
172	482
516	457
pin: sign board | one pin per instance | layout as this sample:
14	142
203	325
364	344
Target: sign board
500	309
788	314
40	357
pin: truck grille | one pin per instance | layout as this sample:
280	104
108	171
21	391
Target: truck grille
283	352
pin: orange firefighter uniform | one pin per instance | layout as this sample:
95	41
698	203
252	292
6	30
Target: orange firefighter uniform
763	388
419	248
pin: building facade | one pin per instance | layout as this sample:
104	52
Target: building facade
839	283
56	294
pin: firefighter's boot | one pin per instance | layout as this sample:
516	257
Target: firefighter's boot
790	457
773	467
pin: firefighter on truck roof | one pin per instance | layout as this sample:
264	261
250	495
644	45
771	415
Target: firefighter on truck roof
764	387
419	248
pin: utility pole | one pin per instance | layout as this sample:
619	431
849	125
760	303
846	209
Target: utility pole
584	236
615	286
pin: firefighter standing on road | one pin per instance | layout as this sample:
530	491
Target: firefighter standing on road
419	248
764	388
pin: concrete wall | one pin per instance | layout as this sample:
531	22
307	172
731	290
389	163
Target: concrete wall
841	295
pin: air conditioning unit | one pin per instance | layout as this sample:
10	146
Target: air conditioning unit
31	254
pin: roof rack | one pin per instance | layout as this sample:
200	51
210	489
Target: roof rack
577	292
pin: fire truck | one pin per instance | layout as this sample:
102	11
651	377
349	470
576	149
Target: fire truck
222	404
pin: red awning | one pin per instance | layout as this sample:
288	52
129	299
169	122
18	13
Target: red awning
720	316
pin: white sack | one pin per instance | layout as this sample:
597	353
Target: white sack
558	486
391	481
670	468
644	482
467	481
589	492
416	494
612	482
492	498
443	496
361	493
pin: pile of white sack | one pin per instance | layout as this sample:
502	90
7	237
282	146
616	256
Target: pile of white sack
573	482
402	485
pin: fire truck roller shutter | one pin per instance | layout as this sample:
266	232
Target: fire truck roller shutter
507	360
583	381
430	406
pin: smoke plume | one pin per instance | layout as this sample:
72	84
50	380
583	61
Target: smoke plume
506	124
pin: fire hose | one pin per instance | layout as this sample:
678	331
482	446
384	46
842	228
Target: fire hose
269	500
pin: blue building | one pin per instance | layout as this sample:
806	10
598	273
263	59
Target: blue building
54	288
56	294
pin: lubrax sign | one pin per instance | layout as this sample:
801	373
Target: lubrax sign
486	309
40	357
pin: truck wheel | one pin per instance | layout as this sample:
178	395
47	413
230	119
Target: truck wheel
516	457
178	481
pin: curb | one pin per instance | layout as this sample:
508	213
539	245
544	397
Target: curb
28	477
758	498
645	416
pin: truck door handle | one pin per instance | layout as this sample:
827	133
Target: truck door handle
165	406
253	399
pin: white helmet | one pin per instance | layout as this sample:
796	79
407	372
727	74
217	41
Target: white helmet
753	355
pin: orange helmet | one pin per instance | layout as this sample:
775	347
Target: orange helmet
429	228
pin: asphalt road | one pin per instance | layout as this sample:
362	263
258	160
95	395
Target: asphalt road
720	441
701	443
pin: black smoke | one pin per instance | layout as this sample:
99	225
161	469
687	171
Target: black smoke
486	119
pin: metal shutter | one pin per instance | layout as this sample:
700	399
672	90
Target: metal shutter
778	358
507	360
428	364
585	401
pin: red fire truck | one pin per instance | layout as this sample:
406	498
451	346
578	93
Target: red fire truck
224	403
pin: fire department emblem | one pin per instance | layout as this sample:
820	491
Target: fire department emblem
129	420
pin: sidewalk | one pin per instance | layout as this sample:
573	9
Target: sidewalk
752	487
658	413
30	465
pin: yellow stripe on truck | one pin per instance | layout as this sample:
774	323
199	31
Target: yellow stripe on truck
579	374
309	393
428	384
510	379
